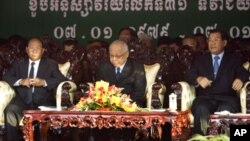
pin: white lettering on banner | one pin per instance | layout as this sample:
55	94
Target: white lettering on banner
199	29
107	32
98	5
88	6
68	32
141	29
243	5
96	32
246	32
182	4
202	5
84	7
214	5
229	5
44	5
164	30
116	5
33	7
235	32
170	5
155	31
64	7
106	5
158	5
148	6
136	5
58	32
76	5
54	5
127	5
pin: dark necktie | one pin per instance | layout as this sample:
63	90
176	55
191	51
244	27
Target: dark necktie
30	89
118	73
216	65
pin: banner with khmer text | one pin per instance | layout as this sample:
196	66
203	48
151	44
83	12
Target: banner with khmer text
102	19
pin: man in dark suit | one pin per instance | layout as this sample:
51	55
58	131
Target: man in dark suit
124	72
217	75
33	79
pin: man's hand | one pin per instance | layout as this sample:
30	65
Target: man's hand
204	81
28	82
237	84
25	82
37	82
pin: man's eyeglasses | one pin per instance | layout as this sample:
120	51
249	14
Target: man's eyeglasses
34	49
117	56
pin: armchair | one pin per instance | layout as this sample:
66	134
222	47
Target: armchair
186	92
7	92
96	54
186	95
154	90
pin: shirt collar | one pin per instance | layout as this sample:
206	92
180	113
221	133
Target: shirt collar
220	55
121	67
36	62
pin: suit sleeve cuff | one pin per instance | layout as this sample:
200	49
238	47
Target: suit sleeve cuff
17	82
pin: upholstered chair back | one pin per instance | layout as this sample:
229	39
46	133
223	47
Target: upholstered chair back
153	88
6	94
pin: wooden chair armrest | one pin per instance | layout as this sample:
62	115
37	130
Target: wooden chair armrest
157	89
185	95
65	94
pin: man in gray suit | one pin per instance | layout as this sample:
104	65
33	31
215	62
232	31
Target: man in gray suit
217	75
33	79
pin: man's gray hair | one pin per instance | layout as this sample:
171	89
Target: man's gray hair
124	44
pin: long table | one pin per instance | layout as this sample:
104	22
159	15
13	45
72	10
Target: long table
219	124
106	119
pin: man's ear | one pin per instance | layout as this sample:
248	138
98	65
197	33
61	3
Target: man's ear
43	50
127	54
26	49
225	43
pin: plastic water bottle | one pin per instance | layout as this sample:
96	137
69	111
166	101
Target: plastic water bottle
172	102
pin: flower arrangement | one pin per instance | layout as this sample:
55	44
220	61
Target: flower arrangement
101	95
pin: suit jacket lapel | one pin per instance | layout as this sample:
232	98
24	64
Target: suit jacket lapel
111	73
209	66
25	70
41	68
222	65
126	70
